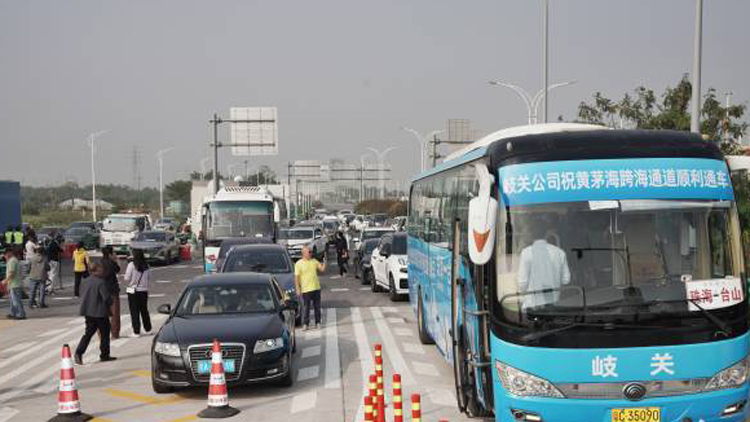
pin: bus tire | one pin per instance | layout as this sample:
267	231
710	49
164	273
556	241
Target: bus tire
424	336
468	397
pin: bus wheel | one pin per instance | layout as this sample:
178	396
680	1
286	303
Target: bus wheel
424	337
468	401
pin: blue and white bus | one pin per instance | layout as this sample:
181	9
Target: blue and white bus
574	273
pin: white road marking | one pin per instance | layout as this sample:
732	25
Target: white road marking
363	289
364	357
52	343
62	298
334	277
312	334
413	348
441	397
333	360
403	332
390	348
6	413
76	321
157	295
52	332
340	289
425	369
17	347
304	401
311	351
308	372
395	320
163	281
179	266
390	309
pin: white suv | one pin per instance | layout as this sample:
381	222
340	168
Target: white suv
389	266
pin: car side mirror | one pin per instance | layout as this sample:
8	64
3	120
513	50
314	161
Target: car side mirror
165	309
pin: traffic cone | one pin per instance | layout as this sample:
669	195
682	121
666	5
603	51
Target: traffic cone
416	408
218	399
68	406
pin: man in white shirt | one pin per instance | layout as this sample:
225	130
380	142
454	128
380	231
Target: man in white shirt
543	266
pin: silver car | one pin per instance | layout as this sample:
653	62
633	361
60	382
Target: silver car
158	246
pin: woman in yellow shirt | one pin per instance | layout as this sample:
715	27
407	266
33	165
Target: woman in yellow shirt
81	262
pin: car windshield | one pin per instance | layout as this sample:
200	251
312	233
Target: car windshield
399	245
239	219
379	218
649	262
231	299
151	237
120	224
330	224
268	261
295	234
374	234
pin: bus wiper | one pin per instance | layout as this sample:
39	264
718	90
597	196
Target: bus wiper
721	325
605	325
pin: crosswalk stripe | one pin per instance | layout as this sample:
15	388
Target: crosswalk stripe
441	397
413	348
304	401
31	351
396	320
403	332
425	369
308	372
340	289
17	347
51	333
310	351
6	413
365	363
333	360
390	348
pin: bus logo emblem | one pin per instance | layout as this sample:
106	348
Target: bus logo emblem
634	391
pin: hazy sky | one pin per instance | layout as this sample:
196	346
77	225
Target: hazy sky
344	74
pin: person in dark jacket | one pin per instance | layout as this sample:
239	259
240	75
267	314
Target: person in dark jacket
96	300
111	270
342	253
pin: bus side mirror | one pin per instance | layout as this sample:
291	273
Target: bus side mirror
482	218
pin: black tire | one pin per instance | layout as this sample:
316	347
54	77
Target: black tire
168	259
469	395
288	379
373	284
392	290
159	388
424	337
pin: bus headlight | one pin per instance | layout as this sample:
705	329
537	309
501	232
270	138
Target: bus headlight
519	383
731	377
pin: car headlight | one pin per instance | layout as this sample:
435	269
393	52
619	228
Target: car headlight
519	383
731	377
262	346
167	349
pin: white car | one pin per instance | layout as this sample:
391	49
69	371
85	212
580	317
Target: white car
368	233
296	237
389	266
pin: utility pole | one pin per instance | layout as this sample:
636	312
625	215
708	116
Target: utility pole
160	157
695	116
727	135
91	141
545	60
435	155
247	175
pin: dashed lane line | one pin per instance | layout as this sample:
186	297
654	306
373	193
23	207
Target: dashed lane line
339	289
141	398
310	351
157	295
403	332
415	348
62	298
365	363
163	281
425	369
390	348
333	359
441	397
364	289
304	401
308	373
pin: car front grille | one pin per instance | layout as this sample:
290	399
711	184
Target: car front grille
404	283
234	351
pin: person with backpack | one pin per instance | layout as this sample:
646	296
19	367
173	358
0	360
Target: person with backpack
137	276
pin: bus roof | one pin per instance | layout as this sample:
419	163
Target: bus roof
479	148
242	193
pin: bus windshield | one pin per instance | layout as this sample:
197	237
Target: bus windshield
239	219
619	273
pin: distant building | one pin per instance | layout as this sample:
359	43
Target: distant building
77	204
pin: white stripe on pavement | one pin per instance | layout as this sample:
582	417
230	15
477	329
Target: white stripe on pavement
340	289
390	348
308	372
396	320
363	289
425	369
441	397
413	348
163	281
17	347
6	413
53	342
304	401
157	295
51	333
311	351
365	363
333	360
403	332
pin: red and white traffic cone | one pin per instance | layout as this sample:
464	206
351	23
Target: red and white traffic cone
68	405
218	398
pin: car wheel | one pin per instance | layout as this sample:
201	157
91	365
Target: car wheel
394	296
168	259
363	276
159	388
424	336
373	284
288	379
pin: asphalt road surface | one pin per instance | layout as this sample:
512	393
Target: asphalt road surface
330	366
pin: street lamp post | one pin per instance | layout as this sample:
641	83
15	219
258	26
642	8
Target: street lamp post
362	176
532	103
423	140
695	116
91	141
381	166
160	158
545	57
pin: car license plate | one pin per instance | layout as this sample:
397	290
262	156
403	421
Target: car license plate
204	366
637	414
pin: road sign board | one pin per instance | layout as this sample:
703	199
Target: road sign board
259	135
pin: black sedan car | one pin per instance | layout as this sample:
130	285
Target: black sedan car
228	244
248	313
263	258
362	265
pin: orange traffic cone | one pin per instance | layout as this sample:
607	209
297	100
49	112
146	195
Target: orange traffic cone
68	406
218	399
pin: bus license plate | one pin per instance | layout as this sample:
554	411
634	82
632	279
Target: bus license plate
637	414
204	366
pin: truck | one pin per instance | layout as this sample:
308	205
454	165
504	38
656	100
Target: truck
118	230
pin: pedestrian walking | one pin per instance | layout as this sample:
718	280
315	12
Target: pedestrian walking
95	304
13	283
342	253
37	278
53	259
111	270
307	284
81	264
137	277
